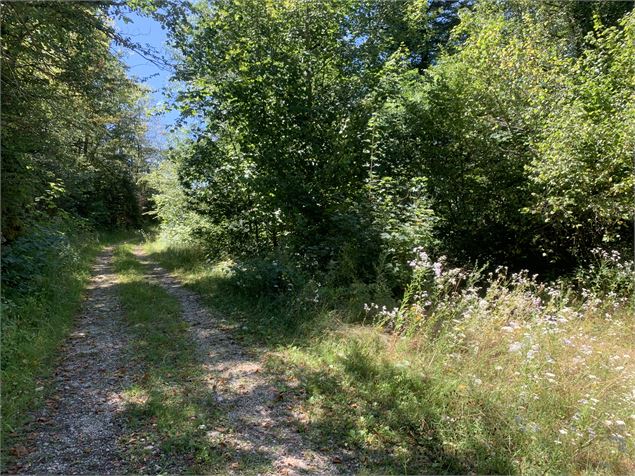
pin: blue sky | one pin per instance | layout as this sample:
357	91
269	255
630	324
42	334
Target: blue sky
147	31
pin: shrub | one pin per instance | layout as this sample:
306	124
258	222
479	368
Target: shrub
271	275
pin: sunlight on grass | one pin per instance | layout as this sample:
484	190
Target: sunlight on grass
406	403
507	387
168	406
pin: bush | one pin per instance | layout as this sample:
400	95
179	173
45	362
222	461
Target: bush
607	275
270	275
49	247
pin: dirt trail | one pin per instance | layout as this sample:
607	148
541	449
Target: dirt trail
78	430
261	423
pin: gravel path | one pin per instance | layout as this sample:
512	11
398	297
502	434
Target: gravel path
262	422
78	430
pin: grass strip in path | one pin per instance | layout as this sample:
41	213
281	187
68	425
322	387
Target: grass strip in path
263	434
169	410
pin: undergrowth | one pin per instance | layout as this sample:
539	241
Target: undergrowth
472	372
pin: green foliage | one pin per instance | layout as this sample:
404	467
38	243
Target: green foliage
36	256
72	128
267	275
267	78
403	220
607	275
466	126
509	112
327	141
286	102
178	222
364	129
582	176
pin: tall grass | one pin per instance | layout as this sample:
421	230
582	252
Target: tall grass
471	372
523	376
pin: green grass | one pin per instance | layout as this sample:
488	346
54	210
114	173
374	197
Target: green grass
460	399
170	406
258	320
35	324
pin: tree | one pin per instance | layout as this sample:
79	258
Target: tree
582	177
72	123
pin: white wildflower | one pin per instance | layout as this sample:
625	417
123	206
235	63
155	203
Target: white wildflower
515	347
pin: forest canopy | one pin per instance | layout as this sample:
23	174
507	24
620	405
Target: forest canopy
73	125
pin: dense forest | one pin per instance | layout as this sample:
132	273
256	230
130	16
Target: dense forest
346	131
422	210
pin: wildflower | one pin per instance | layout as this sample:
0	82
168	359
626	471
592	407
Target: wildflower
563	431
621	441
533	351
437	269
515	347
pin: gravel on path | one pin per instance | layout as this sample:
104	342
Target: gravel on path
260	422
77	431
